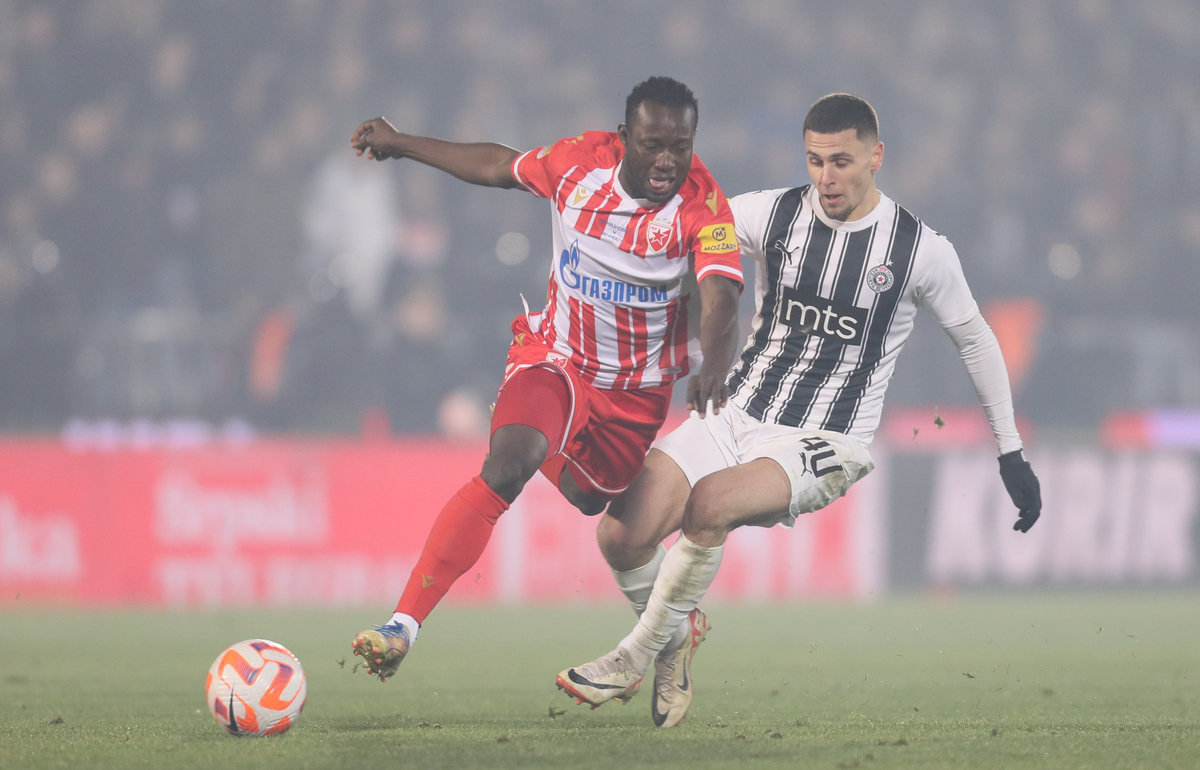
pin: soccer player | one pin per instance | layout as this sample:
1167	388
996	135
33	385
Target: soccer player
840	272
588	380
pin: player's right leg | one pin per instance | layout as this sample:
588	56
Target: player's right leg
630	537
636	523
758	492
531	415
781	477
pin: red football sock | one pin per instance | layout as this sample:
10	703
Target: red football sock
459	535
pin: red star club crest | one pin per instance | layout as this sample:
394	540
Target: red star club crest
658	234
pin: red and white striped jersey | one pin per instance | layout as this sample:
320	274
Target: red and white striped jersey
615	306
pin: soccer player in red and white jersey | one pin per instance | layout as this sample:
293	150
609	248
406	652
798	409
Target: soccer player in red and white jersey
588	380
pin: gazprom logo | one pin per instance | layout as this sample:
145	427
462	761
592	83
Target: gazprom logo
604	289
567	264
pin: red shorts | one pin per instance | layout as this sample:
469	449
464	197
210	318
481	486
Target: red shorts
609	431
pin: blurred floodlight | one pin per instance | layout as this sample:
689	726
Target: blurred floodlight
45	257
1064	261
341	270
320	287
512	249
462	415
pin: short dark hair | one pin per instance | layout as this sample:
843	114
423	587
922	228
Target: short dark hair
837	112
663	90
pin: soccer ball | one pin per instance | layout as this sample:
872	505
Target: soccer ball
256	687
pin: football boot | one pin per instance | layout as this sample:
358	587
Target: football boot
608	677
672	694
382	649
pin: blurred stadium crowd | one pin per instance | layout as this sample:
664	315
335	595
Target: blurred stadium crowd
184	230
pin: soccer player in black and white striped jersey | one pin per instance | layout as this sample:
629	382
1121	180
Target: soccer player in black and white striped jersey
840	272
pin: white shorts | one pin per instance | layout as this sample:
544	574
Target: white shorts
820	464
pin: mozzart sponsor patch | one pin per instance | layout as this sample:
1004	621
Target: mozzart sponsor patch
812	314
718	239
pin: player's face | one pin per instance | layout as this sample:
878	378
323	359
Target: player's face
843	169
658	151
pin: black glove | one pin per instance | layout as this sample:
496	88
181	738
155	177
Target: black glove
1023	488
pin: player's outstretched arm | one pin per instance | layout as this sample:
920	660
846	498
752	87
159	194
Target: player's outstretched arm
482	163
718	343
980	353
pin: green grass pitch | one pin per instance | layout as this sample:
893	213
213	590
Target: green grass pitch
1065	680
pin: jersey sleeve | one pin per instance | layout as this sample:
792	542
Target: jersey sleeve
941	285
750	214
713	237
540	169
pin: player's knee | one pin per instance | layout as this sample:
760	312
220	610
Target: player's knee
507	472
623	547
707	509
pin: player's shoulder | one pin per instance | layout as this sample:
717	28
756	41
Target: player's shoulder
764	198
930	239
700	186
602	147
753	210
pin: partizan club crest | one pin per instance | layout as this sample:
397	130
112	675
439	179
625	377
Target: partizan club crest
880	279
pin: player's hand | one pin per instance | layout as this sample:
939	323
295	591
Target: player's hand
704	387
378	138
1023	488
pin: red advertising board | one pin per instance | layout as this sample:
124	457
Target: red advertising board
300	523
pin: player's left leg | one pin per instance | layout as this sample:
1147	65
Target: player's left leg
532	413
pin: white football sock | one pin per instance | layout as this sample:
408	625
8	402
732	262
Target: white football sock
410	623
637	585
686	573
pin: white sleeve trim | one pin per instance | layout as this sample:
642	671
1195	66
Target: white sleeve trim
980	353
517	174
733	272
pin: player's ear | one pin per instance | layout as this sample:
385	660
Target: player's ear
876	156
623	133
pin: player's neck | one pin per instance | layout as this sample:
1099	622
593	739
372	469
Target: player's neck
864	207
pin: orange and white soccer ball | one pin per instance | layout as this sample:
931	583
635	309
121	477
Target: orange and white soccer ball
256	687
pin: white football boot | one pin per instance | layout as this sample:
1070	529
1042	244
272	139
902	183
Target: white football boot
609	677
673	674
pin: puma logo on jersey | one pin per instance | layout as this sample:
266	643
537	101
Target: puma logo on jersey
823	317
787	253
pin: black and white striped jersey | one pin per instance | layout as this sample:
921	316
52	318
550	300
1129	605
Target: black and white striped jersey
834	303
